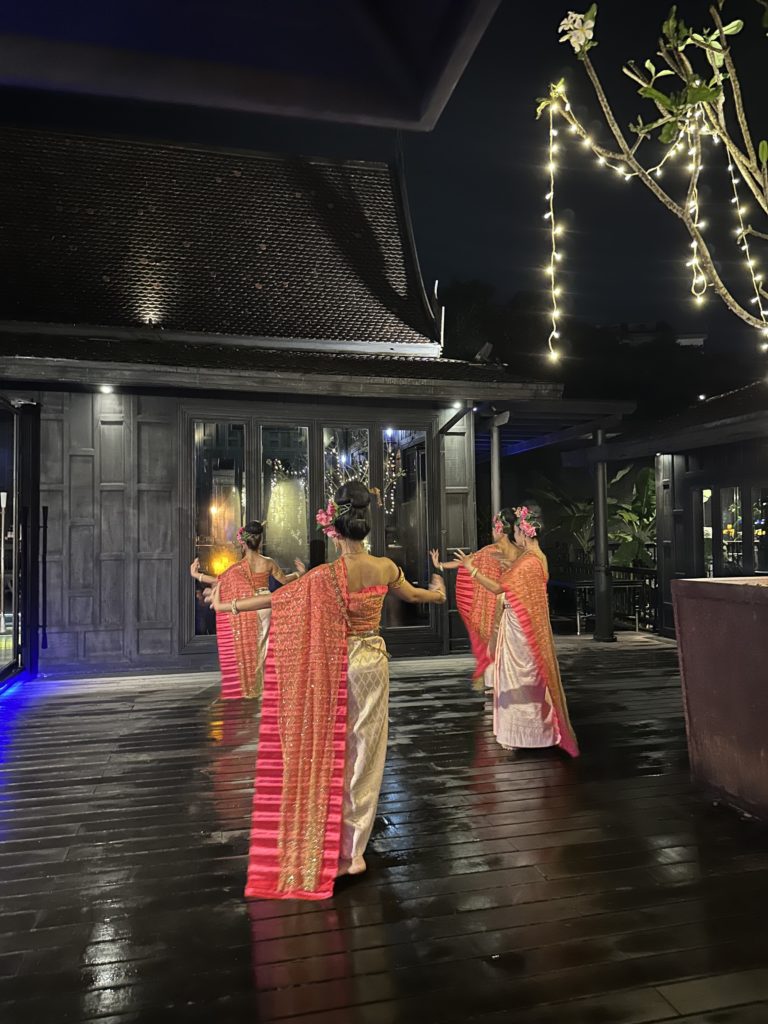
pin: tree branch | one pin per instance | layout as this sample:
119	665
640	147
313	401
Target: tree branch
735	87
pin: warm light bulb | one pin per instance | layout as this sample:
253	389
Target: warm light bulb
553	356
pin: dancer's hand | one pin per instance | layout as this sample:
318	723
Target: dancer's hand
194	569
208	596
437	584
215	598
434	554
465	560
300	567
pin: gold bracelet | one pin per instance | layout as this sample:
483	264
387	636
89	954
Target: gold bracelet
233	606
474	572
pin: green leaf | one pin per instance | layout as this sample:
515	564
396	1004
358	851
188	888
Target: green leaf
591	14
664	72
649	93
700	94
733	27
650	66
668	133
620	475
669	28
762	152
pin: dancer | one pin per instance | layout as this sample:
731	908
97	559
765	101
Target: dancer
529	706
323	731
479	609
242	642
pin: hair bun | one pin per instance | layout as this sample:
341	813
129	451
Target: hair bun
355	494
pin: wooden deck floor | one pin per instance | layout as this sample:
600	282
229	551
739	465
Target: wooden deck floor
530	890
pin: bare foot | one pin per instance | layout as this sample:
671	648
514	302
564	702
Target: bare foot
356	866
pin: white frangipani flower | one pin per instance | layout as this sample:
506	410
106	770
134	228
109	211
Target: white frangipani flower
577	30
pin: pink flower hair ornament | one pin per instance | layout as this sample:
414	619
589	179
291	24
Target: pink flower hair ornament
242	535
500	526
526	522
326	517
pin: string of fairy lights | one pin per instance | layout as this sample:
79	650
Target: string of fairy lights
689	138
554	255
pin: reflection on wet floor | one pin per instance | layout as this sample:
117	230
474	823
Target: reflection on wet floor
502	887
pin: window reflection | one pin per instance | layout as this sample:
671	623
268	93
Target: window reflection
346	456
285	483
706	519
760	527
406	518
219	487
731	531
7	543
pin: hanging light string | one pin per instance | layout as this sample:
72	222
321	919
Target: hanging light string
554	256
697	125
742	237
698	278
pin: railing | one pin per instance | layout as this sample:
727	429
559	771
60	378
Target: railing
635	590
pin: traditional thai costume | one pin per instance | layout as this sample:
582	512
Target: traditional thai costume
529	706
322	737
242	638
480	610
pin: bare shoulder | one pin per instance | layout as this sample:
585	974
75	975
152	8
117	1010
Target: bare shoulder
390	571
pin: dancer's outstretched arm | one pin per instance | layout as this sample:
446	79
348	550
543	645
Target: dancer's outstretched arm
201	577
240	604
404	591
435	556
484	581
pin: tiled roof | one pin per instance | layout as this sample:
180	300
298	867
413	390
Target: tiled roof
249	359
120	234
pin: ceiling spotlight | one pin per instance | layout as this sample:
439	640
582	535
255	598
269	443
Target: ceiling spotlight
106	389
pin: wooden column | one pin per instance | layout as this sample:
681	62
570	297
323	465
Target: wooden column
603	596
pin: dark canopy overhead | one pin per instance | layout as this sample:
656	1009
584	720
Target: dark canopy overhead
740	415
391	63
526	424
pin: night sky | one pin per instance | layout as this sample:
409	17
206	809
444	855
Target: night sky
477	182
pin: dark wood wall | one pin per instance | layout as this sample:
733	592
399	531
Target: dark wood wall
115	480
109	471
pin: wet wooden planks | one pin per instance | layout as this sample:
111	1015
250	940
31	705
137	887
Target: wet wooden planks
530	889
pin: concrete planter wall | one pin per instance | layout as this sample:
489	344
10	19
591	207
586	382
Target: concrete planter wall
722	629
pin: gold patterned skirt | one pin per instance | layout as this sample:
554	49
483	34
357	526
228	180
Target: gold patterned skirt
366	747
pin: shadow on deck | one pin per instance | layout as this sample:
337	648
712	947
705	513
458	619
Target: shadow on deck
530	890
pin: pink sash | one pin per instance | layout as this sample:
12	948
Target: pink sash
296	823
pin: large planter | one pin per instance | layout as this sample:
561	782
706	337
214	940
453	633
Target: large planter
722	631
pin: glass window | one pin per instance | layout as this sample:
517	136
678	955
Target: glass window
706	520
760	527
731	531
285	490
219	487
7	541
406	519
345	457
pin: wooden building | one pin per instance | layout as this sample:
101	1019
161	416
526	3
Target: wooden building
711	486
208	337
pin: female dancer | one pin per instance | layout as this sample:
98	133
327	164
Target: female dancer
529	707
480	609
242	642
323	730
